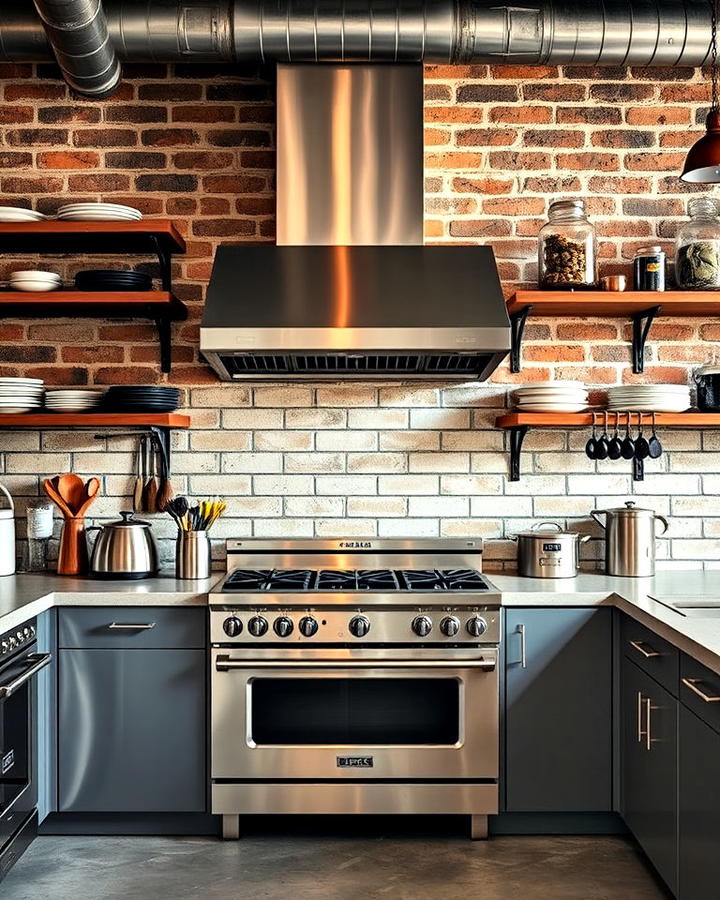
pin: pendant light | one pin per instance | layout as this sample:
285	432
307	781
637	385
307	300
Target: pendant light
702	165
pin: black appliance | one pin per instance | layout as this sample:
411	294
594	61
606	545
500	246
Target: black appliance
19	663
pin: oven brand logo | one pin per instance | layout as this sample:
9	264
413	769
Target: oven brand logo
355	762
8	761
355	545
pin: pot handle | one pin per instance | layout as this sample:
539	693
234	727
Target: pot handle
596	513
540	525
585	538
665	523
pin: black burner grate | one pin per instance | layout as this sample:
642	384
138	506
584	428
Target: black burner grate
388	580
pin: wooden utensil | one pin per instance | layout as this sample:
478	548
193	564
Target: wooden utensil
72	489
151	486
50	486
139	476
73	554
92	489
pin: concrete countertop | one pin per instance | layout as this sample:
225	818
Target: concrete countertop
646	599
24	596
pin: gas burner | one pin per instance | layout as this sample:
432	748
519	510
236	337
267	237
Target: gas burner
336	580
376	580
422	579
289	580
463	580
247	580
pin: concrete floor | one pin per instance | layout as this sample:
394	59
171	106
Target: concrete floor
331	868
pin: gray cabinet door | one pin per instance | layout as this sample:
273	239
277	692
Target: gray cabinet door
699	793
558	705
131	731
649	768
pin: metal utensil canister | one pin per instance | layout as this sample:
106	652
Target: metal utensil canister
192	555
629	539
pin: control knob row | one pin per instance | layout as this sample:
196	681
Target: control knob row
449	626
282	626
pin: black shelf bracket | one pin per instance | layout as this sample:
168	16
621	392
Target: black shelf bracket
517	329
517	436
165	259
164	327
642	322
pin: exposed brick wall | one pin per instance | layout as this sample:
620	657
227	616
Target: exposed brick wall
197	146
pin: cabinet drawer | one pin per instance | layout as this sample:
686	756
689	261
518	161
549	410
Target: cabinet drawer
696	680
108	627
651	653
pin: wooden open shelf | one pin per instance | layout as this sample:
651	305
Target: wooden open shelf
641	307
519	423
94	420
146	236
147	304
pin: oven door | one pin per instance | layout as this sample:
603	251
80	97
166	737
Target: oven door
17	795
338	714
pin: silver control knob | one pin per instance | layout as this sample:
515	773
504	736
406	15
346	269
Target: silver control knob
450	626
4	647
283	626
308	626
232	626
476	626
12	642
27	633
422	625
257	626
19	636
32	631
359	626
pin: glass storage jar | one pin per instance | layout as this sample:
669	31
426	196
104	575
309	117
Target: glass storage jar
567	248
697	252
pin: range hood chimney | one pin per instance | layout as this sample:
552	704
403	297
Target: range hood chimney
350	292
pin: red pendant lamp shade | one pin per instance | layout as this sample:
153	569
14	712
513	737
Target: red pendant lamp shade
702	165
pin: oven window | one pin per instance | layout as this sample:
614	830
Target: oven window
355	711
14	745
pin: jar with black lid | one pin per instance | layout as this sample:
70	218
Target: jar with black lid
567	248
649	269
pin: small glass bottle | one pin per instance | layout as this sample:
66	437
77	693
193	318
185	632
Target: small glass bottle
697	253
567	248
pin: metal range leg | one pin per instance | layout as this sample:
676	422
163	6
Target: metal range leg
479	828
230	828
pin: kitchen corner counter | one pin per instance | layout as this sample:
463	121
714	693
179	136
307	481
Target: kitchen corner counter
648	600
24	596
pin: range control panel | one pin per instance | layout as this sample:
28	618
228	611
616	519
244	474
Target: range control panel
446	625
14	640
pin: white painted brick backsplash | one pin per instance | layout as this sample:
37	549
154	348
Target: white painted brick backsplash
389	460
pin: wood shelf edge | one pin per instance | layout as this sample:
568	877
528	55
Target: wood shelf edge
580	420
93	420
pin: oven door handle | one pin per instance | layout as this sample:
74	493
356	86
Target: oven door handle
224	663
37	661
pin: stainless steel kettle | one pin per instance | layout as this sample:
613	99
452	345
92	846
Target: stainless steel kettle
124	549
629	539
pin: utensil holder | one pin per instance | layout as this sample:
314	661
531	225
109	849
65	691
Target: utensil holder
73	554
192	555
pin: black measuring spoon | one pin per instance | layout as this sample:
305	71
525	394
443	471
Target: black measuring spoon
615	445
591	445
654	445
603	443
642	447
628	445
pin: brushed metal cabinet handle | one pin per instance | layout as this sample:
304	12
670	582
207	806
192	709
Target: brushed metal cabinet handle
523	646
145	626
648	736
693	683
646	650
640	734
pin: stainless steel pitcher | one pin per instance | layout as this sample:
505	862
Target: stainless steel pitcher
629	539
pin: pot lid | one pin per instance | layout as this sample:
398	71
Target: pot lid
128	519
631	509
707	370
546	530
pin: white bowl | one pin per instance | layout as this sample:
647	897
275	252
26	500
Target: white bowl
37	286
34	273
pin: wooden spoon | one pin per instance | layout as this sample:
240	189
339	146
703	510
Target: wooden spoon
92	488
50	485
72	489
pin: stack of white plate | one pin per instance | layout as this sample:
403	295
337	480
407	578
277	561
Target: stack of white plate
19	395
71	400
98	212
35	280
552	396
649	397
16	214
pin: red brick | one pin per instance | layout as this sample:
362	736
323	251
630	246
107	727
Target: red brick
206	114
15	115
540	115
493	186
102	354
602	162
68	159
658	115
486	137
451	114
479	228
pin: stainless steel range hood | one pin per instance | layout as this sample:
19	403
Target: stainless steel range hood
289	313
349	291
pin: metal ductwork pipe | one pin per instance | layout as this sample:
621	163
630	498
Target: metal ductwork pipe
600	32
78	34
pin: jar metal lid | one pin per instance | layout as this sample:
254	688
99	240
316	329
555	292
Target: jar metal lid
650	251
558	205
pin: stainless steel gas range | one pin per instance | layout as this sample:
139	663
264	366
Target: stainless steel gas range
354	677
